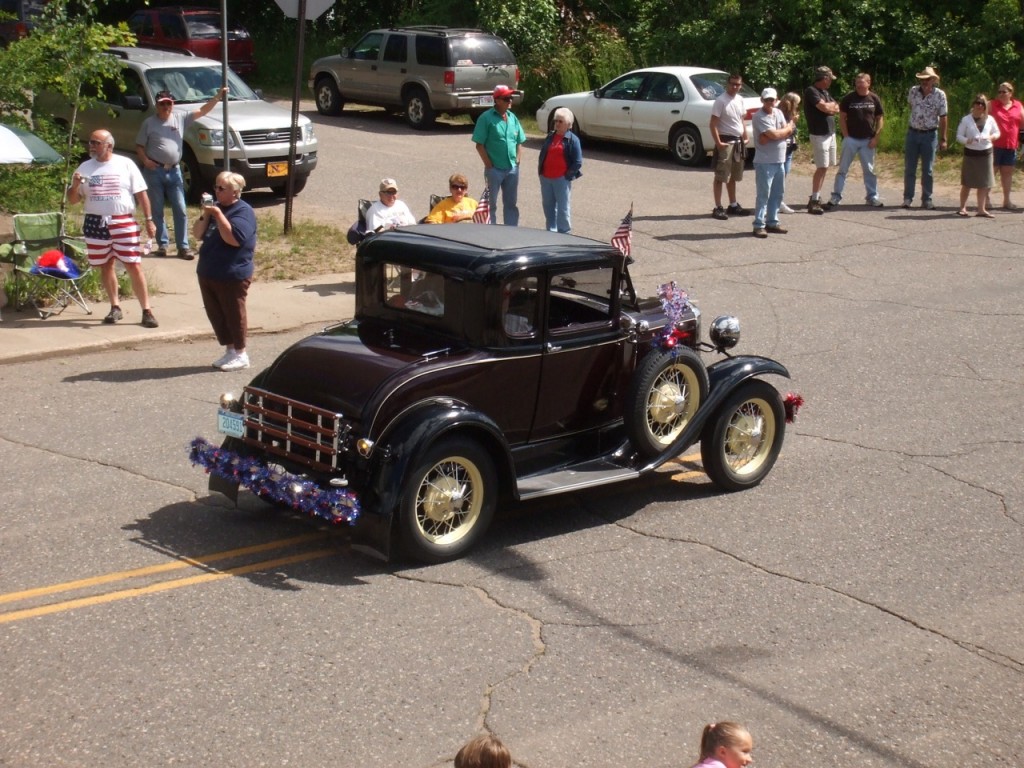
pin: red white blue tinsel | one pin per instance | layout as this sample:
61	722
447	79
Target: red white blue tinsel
674	302
335	505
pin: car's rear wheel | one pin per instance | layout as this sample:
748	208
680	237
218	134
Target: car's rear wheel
667	389
328	98
741	443
686	145
448	500
191	178
418	112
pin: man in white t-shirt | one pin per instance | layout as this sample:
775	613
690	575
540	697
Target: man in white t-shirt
389	212
112	186
727	130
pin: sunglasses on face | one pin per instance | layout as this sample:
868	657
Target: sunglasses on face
504	98
1004	91
390	192
459	186
223	189
978	104
96	142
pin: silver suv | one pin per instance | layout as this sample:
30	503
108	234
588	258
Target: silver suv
423	70
258	132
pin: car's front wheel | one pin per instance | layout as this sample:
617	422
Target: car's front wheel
418	112
686	145
448	500
741	443
328	98
667	389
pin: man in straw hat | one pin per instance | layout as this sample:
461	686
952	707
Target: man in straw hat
926	132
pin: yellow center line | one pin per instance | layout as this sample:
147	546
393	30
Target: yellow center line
163	586
184	562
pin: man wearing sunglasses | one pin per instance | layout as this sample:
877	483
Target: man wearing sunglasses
158	147
499	139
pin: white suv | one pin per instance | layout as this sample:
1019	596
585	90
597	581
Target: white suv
258	133
423	70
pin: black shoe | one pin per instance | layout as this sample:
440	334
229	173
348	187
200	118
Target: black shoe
737	210
777	230
814	206
148	321
186	254
719	213
830	205
113	316
759	232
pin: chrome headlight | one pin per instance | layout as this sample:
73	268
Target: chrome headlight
308	133
214	137
725	332
228	401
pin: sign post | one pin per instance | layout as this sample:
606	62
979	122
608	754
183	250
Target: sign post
297	9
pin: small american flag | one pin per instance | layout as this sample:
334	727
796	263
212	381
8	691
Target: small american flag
623	237
483	208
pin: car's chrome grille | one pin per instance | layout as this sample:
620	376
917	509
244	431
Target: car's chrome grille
296	431
268	136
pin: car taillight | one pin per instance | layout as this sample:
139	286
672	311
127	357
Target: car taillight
449	77
750	113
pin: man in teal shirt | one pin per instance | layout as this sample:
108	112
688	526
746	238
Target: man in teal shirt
499	140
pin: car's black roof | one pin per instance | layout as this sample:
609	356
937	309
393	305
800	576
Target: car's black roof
485	251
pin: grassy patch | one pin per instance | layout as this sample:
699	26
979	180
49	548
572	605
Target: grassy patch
310	249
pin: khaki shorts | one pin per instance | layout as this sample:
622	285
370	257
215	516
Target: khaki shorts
824	150
729	163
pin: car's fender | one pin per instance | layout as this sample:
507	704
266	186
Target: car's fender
723	377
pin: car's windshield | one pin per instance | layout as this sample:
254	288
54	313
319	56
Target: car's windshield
711	85
207	25
196	84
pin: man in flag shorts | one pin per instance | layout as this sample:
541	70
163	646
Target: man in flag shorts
111	186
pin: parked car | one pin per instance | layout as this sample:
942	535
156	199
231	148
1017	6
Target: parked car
197	30
489	363
258	133
18	19
423	70
657	107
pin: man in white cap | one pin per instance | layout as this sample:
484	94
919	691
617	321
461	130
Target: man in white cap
499	140
926	132
158	146
770	133
389	212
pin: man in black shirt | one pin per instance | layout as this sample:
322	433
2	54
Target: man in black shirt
820	110
860	120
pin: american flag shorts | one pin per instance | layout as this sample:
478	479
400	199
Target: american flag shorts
111	236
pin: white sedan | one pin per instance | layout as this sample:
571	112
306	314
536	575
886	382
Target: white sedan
657	107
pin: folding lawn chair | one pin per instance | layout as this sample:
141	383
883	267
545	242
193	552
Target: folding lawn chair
48	261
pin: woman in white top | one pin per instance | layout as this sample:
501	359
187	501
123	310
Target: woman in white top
976	132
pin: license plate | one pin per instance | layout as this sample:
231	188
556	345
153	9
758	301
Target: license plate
484	101
230	423
277	169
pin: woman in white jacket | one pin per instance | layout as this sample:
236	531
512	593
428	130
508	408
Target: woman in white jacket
976	132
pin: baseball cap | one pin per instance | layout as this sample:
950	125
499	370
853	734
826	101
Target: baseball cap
769	93
502	92
164	96
388	185
820	72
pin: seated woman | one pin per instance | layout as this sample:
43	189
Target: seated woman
456	207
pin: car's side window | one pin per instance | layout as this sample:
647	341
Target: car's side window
519	306
581	300
430	51
132	84
663	87
396	48
415	290
369	47
173	26
624	89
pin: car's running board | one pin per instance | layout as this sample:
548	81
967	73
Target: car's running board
588	475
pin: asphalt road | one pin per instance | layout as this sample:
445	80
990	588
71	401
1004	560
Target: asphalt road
863	607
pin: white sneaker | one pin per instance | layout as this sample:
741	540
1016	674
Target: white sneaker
237	362
876	202
785	209
228	354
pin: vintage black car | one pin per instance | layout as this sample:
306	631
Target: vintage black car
486	363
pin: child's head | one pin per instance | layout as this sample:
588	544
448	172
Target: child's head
484	751
727	742
790	105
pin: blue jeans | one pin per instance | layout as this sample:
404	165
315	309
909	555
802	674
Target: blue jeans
919	145
554	196
770	179
169	186
505	181
856	148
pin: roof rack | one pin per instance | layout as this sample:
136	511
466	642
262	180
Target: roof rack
125	52
435	28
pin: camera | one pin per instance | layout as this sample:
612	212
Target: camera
206	199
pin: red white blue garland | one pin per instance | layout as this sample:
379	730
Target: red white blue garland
674	302
335	505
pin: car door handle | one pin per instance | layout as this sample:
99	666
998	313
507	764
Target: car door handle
553	347
625	109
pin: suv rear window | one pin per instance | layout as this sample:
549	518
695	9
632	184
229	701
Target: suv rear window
481	50
431	51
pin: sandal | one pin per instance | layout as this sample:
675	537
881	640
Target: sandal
984	215
962	213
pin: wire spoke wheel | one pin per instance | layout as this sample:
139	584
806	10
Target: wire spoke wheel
449	501
667	390
741	443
